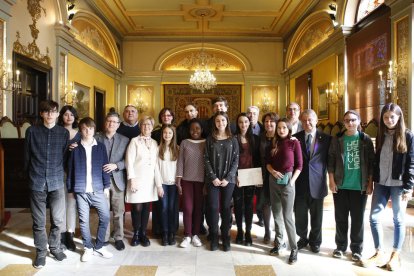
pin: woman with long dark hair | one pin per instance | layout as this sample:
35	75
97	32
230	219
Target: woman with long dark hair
221	160
243	196
393	179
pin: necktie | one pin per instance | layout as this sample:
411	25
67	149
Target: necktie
308	143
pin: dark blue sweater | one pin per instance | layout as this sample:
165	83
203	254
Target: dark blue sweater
76	180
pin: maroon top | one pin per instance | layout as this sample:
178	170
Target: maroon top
287	158
245	157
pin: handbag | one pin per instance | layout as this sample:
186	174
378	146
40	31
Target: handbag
284	180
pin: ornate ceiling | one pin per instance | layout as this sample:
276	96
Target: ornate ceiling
222	18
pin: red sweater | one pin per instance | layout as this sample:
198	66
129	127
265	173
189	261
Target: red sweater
288	157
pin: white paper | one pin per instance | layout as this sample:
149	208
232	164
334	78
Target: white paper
250	177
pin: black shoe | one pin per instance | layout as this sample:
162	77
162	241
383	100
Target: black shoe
119	245
171	239
135	239
39	262
239	237
302	243
260	223
144	240
59	255
293	258
315	248
164	239
226	244
70	244
213	242
276	250
248	239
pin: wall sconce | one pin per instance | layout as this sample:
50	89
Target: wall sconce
69	98
267	105
9	82
140	104
388	83
332	94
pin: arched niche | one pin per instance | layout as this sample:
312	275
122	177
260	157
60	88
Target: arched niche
187	58
92	32
315	29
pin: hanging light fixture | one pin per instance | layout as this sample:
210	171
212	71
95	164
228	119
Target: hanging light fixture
202	79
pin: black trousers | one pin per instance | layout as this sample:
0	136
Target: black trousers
243	205
305	205
219	200
348	202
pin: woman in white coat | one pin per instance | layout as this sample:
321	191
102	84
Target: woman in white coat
144	180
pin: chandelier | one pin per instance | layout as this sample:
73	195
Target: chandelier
202	79
7	83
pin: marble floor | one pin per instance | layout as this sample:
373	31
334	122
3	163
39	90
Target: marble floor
17	252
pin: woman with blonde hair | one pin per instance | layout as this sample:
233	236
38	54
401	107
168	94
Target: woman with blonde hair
144	180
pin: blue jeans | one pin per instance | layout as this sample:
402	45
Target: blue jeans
168	202
379	202
99	201
38	202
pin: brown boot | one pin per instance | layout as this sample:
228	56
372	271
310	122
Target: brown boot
395	262
378	259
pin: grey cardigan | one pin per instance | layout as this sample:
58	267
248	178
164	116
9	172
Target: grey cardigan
336	159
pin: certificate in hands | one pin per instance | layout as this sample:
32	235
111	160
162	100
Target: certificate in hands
250	177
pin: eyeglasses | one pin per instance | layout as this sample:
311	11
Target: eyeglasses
347	121
50	111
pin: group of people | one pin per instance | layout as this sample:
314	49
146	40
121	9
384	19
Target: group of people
139	163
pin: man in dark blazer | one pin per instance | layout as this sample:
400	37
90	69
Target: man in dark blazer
116	145
311	185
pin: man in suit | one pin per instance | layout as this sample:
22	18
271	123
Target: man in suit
253	114
116	145
292	113
311	185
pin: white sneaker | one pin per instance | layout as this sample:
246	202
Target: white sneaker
87	254
186	241
196	241
103	252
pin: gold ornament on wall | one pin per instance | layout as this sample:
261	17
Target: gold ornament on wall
32	50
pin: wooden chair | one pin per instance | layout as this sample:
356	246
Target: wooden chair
372	128
328	128
8	129
22	129
337	128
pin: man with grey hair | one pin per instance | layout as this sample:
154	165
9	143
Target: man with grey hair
311	185
116	145
292	113
129	127
253	114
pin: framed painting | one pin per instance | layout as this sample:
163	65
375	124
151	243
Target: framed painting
82	99
323	107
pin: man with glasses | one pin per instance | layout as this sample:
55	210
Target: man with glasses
183	129
292	113
45	151
116	145
129	127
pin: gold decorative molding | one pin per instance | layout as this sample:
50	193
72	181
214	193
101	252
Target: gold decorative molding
32	50
312	32
402	50
92	33
190	60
